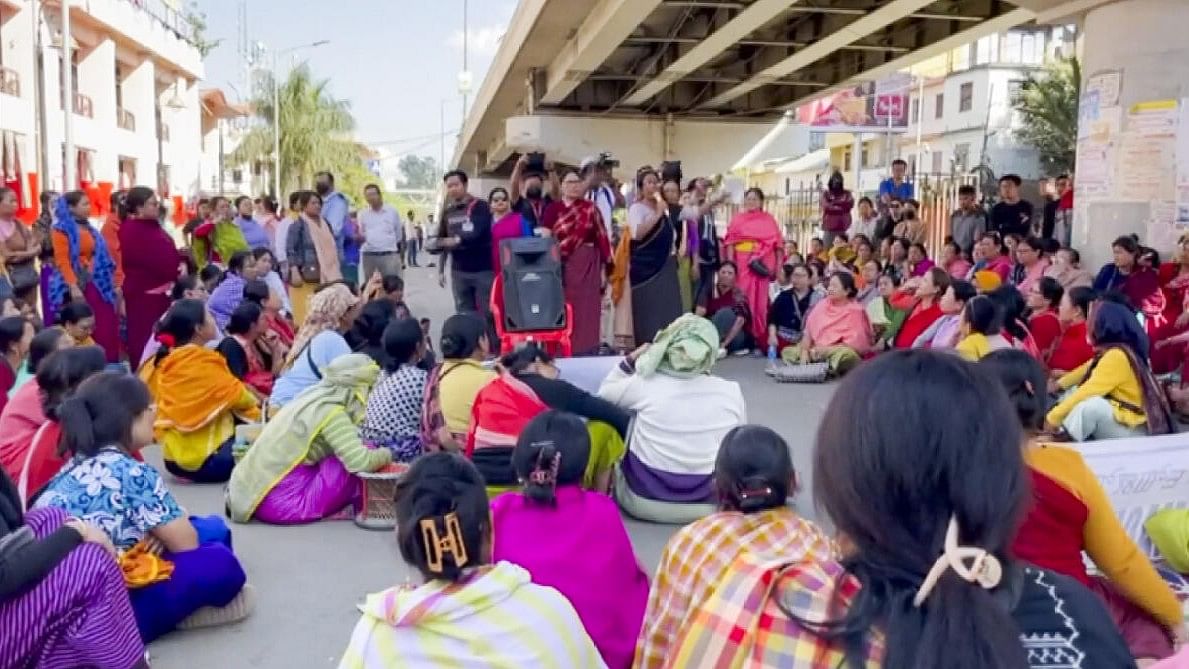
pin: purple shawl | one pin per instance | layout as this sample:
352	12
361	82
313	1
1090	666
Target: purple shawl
602	579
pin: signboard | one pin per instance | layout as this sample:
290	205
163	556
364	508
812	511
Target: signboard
1141	475
867	107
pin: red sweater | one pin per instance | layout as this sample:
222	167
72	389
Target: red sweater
1072	349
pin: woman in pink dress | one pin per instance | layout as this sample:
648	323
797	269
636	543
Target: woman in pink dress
507	224
151	265
754	242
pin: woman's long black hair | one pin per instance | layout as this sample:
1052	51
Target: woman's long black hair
180	325
1012	307
909	441
438	486
101	413
61	373
552	451
367	332
754	469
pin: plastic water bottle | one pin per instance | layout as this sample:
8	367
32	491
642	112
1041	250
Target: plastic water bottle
772	357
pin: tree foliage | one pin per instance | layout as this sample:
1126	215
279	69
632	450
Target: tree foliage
419	171
196	18
315	132
1048	104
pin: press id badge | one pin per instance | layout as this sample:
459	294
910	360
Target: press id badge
468	227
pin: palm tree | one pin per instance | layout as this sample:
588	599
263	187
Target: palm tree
1048	103
315	130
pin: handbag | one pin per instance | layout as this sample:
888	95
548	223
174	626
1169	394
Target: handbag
24	277
757	265
811	372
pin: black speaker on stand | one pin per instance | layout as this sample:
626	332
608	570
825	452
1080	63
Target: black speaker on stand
534	298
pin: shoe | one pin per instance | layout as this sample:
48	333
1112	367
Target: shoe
742	353
722	353
212	616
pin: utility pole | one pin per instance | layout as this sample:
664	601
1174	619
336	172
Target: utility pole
68	104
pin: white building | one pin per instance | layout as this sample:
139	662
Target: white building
135	112
968	95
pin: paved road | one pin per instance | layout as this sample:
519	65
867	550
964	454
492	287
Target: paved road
308	579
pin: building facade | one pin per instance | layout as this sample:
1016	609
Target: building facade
135	112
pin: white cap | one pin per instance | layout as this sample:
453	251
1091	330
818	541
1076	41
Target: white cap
587	162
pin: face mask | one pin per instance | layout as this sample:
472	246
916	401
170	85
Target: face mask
910	215
835	186
533	192
322	189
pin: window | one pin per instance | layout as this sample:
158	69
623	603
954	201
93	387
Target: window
987	50
939	105
127	169
786	185
846	160
962	157
966	97
1012	50
866	156
916	110
1014	88
937	158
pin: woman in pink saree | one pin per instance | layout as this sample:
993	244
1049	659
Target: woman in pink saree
754	242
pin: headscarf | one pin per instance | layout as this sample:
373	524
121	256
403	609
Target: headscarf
986	281
102	270
687	347
327	308
285	440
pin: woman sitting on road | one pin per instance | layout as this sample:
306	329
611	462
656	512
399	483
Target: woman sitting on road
953	262
229	294
318	343
29	452
754	477
188	287
922	305
928	501
468	611
1113	395
1073	347
199	400
452	386
526	387
886	320
1013	312
947	330
77	319
981	329
278	333
63	598
836	331
1072	514
603	580
918	258
22	415
786	318
302	466
682	413
108	419
393	416
1044	321
249	355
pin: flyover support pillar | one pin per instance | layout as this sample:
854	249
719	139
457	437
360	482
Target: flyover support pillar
1144	40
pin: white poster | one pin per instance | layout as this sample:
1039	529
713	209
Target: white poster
1141	475
1098	142
1182	157
1147	153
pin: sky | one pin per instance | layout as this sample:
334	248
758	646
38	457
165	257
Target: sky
395	61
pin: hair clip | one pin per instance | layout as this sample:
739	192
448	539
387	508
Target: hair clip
437	546
167	340
1029	389
546	475
755	492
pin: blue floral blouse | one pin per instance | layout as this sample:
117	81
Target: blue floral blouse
114	492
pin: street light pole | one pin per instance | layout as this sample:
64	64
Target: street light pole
276	111
68	102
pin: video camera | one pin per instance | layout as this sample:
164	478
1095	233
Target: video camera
671	171
535	163
607	161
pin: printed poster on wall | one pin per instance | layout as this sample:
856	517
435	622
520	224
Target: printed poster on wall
1097	146
1147	153
1182	215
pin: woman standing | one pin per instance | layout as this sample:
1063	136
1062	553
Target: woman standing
685	226
151	265
254	233
755	244
217	239
836	205
656	291
508	224
311	252
85	271
19	248
585	254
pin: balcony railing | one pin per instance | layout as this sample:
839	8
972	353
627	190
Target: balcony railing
172	18
10	82
125	119
83	105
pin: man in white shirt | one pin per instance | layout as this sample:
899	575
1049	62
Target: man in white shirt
412	239
383	233
282	235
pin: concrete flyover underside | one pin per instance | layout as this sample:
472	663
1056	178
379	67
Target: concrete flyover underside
688	66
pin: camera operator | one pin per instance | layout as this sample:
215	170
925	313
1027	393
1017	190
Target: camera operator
709	259
601	188
529	192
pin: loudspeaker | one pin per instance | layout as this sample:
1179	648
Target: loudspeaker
534	298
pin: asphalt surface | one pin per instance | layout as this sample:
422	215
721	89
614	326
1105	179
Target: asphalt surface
309	579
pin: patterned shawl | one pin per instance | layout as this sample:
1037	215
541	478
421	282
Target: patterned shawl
102	266
327	308
579	223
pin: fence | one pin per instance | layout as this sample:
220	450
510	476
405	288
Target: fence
800	218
